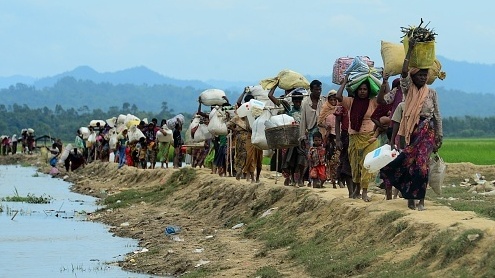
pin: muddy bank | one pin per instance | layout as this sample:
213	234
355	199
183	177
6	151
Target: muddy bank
291	232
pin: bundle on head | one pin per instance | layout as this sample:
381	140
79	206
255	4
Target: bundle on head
420	34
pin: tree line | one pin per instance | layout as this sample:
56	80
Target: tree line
63	123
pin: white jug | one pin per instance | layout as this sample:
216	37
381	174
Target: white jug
379	158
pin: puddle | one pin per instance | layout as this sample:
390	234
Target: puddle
54	240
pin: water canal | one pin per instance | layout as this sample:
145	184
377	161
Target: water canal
55	239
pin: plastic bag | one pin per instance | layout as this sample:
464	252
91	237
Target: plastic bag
438	168
422	55
258	137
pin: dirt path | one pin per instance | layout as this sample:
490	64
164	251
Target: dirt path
208	208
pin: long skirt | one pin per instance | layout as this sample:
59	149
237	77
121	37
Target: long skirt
220	161
163	148
344	168
240	150
333	160
359	147
253	159
409	171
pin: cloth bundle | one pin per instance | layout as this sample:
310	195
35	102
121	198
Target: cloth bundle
359	72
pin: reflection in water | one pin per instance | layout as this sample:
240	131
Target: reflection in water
54	240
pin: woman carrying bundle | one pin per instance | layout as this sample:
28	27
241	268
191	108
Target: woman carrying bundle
360	108
421	126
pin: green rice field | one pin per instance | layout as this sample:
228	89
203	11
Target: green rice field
477	151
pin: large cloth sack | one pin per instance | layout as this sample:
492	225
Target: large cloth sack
342	64
280	120
94	123
212	97
112	142
434	72
287	80
422	55
65	153
191	130
202	134
85	132
165	135
217	125
393	56
171	122
134	134
128	118
121	119
257	91
437	172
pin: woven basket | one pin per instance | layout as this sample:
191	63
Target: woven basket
281	137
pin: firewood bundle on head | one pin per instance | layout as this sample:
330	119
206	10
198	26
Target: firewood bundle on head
423	53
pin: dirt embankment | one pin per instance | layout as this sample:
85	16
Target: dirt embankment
294	232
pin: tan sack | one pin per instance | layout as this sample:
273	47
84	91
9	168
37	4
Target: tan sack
393	56
287	80
434	72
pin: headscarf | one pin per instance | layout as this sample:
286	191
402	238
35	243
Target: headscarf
326	108
358	110
413	103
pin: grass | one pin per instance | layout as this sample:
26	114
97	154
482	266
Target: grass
267	272
30	198
461	245
458	198
476	151
154	195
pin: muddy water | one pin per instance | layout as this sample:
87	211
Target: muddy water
54	240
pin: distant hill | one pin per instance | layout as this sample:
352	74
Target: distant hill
137	76
462	76
461	93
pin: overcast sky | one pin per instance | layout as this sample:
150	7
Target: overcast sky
228	39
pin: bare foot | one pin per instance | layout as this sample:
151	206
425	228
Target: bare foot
411	204
421	205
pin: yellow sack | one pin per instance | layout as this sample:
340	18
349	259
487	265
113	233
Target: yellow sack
132	122
422	55
393	57
435	72
287	80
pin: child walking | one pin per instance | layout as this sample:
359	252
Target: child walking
316	160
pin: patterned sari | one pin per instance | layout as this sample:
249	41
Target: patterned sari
409	171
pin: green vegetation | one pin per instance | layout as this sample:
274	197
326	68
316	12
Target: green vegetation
154	195
458	198
30	198
477	151
267	272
